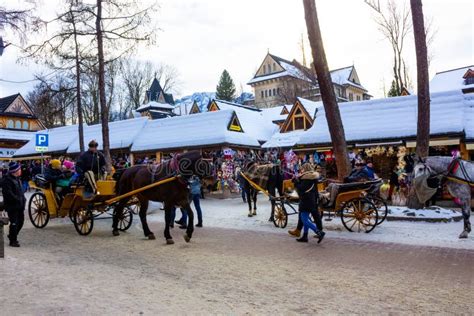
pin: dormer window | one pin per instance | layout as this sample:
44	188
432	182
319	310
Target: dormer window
469	77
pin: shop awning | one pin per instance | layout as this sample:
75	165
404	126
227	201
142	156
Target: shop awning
470	146
437	142
379	144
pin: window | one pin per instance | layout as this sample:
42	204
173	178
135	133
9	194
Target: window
266	93
338	92
358	98
18	124
278	91
264	69
274	92
274	67
299	123
351	96
261	93
469	80
10	124
26	125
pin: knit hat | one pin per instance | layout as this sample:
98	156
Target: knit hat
13	167
68	164
55	164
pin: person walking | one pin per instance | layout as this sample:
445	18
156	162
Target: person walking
195	191
307	187
14	201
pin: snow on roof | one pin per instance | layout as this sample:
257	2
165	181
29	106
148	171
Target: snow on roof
59	140
469	116
341	76
155	105
312	107
284	140
121	134
450	80
253	121
392	118
273	113
16	135
200	129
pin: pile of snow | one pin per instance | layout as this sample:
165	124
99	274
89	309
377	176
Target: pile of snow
433	213
203	98
450	80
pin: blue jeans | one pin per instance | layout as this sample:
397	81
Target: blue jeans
25	185
196	200
307	223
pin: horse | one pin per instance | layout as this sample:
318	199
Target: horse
268	177
172	194
459	176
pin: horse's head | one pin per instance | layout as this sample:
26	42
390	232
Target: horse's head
421	167
192	163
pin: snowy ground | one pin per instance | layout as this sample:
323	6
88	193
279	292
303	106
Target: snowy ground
232	213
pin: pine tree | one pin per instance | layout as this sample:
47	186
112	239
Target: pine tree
225	90
394	90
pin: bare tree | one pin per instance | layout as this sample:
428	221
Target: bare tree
333	116
19	21
119	25
55	51
395	24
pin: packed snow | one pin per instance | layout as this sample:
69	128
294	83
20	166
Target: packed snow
450	80
232	213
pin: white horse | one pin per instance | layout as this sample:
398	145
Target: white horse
459	175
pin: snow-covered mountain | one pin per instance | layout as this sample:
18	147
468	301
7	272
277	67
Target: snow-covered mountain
203	99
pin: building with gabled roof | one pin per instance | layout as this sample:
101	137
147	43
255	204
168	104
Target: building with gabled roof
18	123
158	104
280	81
454	79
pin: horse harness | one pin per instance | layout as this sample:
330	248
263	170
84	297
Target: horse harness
449	174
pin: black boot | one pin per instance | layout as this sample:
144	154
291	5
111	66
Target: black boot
320	236
303	238
14	244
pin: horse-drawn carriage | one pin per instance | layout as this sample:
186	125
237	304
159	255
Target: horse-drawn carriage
357	204
81	207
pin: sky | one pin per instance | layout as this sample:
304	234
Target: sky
200	38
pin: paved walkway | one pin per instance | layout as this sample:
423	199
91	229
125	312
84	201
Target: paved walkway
228	271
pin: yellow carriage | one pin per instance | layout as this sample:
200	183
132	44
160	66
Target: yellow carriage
82	208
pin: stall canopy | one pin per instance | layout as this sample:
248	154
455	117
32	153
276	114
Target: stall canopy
188	131
394	118
22	136
121	134
254	122
59	140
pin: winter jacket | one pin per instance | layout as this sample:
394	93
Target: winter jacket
358	175
13	197
308	192
90	161
53	175
195	186
370	172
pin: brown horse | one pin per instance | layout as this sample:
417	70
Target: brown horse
172	194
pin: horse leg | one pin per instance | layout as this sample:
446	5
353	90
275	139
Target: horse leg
254	197
118	212
190	229
168	221
272	192
249	200
466	213
142	213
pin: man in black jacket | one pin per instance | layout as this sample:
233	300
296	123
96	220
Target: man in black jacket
91	160
14	201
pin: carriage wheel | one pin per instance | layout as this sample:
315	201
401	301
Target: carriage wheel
38	210
382	208
359	214
83	221
125	219
134	204
280	217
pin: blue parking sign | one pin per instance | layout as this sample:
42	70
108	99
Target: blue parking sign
42	142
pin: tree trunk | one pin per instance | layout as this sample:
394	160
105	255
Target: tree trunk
78	88
104	111
333	116
423	128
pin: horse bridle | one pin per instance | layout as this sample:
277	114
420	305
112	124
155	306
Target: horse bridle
449	172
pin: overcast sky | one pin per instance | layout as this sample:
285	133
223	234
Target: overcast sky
203	37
